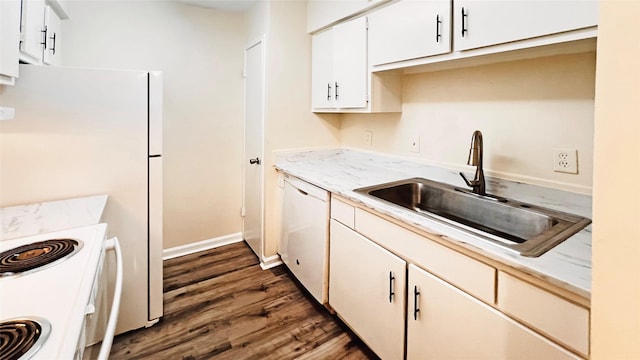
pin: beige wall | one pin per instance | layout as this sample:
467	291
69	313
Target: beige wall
524	109
200	52
615	305
289	122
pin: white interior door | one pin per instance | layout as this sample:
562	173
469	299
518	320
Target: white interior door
253	228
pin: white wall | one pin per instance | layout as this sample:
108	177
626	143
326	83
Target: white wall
524	109
200	52
615	304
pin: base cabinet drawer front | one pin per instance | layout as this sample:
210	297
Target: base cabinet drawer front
367	289
451	324
464	272
343	212
562	320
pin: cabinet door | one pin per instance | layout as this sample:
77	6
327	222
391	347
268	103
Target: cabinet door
52	42
32	29
409	29
321	13
367	290
350	64
446	323
322	83
490	22
9	30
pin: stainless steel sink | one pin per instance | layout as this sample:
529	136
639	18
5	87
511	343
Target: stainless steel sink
527	229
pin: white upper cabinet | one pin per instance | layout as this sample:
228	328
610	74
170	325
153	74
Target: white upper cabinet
339	63
322	13
409	29
51	49
480	23
32	31
40	31
9	40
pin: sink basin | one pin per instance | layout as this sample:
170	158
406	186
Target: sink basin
524	228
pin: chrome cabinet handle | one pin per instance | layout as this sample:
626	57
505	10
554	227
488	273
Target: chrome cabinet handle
53	45
254	161
328	91
438	22
464	22
44	37
415	303
337	91
391	293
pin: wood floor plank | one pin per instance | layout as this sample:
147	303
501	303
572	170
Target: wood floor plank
219	304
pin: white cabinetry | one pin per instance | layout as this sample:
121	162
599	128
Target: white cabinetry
339	63
40	31
32	31
51	49
561	319
457	307
367	289
9	40
490	22
443	322
322	13
304	244
409	29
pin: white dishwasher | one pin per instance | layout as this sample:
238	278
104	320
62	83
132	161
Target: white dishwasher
304	243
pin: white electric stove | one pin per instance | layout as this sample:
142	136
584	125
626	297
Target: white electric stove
48	304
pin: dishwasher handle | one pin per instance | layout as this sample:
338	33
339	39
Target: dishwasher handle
105	348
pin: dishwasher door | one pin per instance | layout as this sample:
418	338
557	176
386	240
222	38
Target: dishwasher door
304	243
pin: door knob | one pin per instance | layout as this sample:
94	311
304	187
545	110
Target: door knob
254	161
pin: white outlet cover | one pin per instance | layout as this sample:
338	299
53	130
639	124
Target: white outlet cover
368	137
565	160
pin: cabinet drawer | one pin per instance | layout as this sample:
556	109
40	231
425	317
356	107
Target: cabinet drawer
566	322
462	271
342	212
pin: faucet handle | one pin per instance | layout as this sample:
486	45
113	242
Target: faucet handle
471	184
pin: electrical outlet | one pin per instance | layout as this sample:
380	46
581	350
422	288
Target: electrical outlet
565	160
414	144
368	137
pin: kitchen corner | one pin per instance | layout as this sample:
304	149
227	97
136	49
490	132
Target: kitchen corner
61	244
32	219
340	171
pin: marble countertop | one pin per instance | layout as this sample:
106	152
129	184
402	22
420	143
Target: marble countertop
32	219
340	171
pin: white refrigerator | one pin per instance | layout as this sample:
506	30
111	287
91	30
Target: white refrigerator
80	132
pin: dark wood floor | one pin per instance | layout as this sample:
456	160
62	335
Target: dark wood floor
219	304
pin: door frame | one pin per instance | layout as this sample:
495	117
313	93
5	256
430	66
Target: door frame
260	41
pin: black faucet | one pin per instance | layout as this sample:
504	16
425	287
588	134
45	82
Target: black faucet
475	159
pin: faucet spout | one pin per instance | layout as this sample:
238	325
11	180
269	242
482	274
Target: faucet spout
475	159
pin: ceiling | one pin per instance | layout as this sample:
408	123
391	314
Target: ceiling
229	5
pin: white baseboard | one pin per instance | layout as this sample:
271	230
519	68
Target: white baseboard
270	262
187	249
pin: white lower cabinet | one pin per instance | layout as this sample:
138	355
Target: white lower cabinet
444	322
367	289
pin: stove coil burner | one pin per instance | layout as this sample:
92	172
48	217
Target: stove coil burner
22	338
36	256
